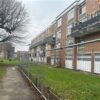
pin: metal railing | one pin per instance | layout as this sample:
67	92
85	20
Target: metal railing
86	27
37	82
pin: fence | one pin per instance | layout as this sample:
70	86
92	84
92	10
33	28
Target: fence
37	80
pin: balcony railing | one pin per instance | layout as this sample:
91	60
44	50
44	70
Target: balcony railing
88	27
49	40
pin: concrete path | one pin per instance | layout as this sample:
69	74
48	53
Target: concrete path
13	87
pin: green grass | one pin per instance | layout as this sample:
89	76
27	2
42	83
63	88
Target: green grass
69	84
2	72
12	62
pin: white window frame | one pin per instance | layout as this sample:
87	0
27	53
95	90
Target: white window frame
59	22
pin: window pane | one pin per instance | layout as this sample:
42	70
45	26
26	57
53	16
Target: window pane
84	9
69	29
70	14
59	35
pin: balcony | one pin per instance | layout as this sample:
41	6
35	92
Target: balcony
88	27
42	53
49	40
34	55
36	44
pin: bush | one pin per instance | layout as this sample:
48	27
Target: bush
10	59
1	60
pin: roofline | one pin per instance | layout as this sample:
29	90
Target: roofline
67	9
76	2
52	23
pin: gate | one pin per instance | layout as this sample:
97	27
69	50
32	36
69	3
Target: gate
68	62
69	58
84	62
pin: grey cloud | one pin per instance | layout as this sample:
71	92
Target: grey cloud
43	12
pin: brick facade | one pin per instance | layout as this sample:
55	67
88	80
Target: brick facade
63	32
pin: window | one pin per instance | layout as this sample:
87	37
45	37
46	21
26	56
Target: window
82	9
69	52
58	37
97	13
69	41
70	14
69	29
98	1
80	48
58	45
33	53
80	40
59	22
59	34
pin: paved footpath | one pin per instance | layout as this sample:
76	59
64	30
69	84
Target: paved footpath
13	86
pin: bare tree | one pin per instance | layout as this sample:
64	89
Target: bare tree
13	21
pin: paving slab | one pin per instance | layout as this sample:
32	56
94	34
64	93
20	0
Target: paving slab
14	87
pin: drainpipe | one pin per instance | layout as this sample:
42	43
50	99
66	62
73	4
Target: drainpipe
55	58
92	62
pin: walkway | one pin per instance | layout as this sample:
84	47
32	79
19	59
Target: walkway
14	87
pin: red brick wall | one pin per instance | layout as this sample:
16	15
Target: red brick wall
92	6
92	47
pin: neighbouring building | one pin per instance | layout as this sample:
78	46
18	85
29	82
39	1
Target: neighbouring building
73	39
6	51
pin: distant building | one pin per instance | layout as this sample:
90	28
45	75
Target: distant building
22	55
6	51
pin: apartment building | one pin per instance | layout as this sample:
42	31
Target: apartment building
75	38
87	33
41	47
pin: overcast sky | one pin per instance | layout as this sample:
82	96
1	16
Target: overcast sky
42	13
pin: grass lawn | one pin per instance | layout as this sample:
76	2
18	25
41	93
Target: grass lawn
2	72
69	84
12	62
